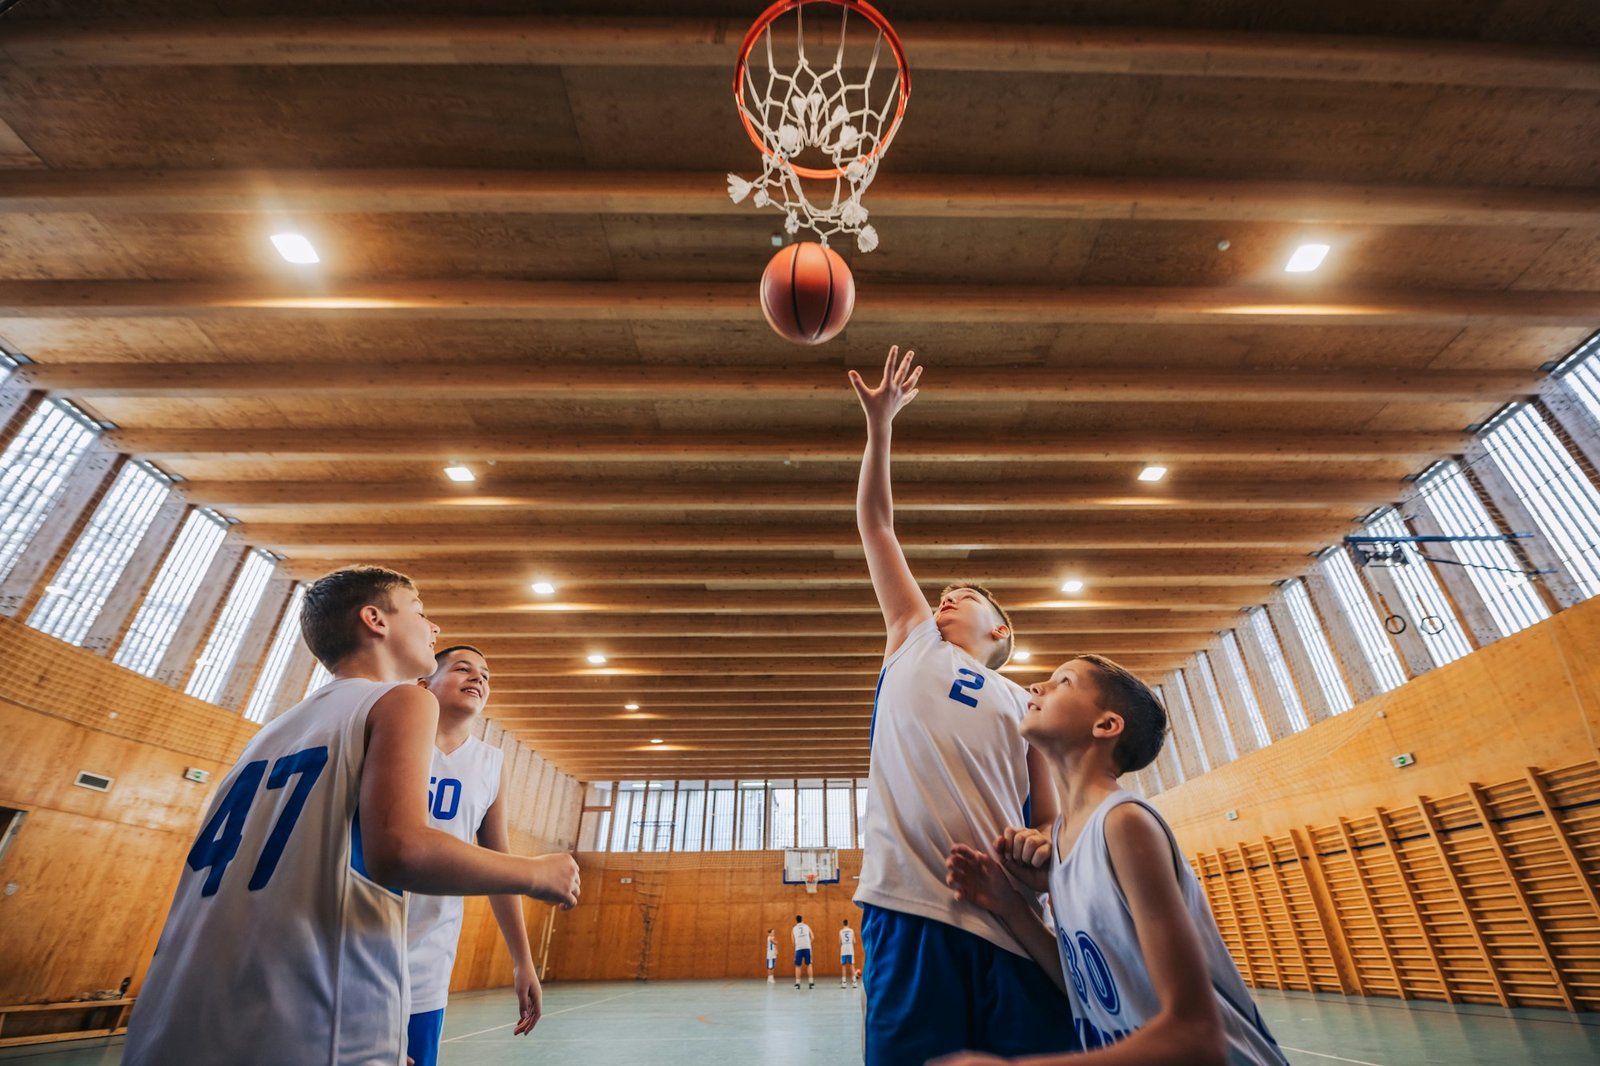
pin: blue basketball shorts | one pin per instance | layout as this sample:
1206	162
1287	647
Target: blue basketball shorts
422	1037
802	957
936	989
772	964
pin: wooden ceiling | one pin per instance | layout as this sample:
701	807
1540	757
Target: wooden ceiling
530	266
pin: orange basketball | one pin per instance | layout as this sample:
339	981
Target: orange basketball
807	293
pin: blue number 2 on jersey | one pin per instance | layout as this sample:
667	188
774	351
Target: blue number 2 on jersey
966	679
218	842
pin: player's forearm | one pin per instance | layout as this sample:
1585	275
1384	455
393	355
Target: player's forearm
437	864
513	929
874	497
1169	1040
1036	938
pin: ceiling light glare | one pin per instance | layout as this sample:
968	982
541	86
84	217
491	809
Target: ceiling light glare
630	706
295	248
544	588
596	659
459	473
1152	473
1306	258
1072	586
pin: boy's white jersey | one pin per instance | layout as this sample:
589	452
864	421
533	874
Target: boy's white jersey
847	942
772	950
462	787
802	937
948	766
1107	981
278	947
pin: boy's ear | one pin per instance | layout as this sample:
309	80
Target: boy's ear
1000	632
1108	726
372	619
422	682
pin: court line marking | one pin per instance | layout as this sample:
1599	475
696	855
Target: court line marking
1322	1055
542	1017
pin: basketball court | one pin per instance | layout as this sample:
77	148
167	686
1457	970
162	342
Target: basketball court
1259	354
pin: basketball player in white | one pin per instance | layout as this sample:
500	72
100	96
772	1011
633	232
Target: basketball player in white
464	800
847	955
1137	949
772	955
802	952
286	938
947	767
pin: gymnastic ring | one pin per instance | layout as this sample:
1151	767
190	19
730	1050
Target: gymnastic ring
1395	624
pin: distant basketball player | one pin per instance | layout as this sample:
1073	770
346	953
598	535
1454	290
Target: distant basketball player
464	801
847	955
772	955
947	767
802	952
1136	946
286	938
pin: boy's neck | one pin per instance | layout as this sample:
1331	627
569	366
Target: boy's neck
1083	779
371	662
454	729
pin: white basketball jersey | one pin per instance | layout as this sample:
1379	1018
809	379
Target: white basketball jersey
278	947
948	766
462	787
802	937
847	942
772	949
1107	981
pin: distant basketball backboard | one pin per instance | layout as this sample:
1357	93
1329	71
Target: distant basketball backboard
820	863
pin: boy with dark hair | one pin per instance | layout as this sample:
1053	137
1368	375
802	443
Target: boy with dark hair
947	767
286	938
801	933
1135	946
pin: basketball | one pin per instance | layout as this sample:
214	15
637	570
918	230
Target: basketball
807	293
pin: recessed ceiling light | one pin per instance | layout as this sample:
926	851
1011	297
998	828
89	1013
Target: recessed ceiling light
295	248
630	706
1021	656
55	590
655	740
1306	258
544	588
460	473
1072	586
1152	473
596	658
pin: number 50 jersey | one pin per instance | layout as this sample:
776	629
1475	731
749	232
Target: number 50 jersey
948	766
278	947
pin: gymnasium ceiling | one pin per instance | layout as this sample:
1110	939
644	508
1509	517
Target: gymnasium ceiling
530	267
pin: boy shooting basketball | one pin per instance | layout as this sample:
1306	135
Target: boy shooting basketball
286	939
948	767
464	800
1139	955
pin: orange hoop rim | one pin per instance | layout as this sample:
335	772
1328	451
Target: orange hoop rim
783	7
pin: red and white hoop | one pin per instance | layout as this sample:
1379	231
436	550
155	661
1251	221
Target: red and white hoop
811	883
828	112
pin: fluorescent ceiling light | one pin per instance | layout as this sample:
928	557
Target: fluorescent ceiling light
1306	258
630	706
596	658
1022	656
1152	473
655	740
459	473
295	248
544	588
1072	586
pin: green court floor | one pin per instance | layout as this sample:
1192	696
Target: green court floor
738	1023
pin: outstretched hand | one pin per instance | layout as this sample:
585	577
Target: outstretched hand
977	878
898	387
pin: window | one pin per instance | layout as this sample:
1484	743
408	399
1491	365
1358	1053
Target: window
1358	610
629	813
1186	717
808	800
719	820
861	811
840	834
320	675
173	590
1233	662
1550	484
1444	637
216	660
1579	375
655	826
1277	667
33	473
1309	630
73	599
752	798
1208	682
283	645
1494	570
691	815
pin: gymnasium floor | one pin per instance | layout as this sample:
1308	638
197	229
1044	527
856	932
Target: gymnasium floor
739	1023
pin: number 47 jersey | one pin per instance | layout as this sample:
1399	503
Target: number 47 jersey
278	947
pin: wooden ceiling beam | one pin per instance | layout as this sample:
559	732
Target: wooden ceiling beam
860	626
806	382
916	442
711	42
918	305
510	658
894	195
987	495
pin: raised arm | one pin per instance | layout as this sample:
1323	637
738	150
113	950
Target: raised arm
399	847
904	607
492	834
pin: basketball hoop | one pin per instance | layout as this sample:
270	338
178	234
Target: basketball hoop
811	884
826	113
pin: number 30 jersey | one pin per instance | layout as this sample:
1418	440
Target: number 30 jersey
278	947
948	766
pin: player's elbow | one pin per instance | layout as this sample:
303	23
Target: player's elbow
1199	1038
396	858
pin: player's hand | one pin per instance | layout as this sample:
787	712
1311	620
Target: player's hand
530	998
898	387
1026	854
977	878
555	880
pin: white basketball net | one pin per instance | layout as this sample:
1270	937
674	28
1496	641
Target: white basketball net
818	109
811	883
